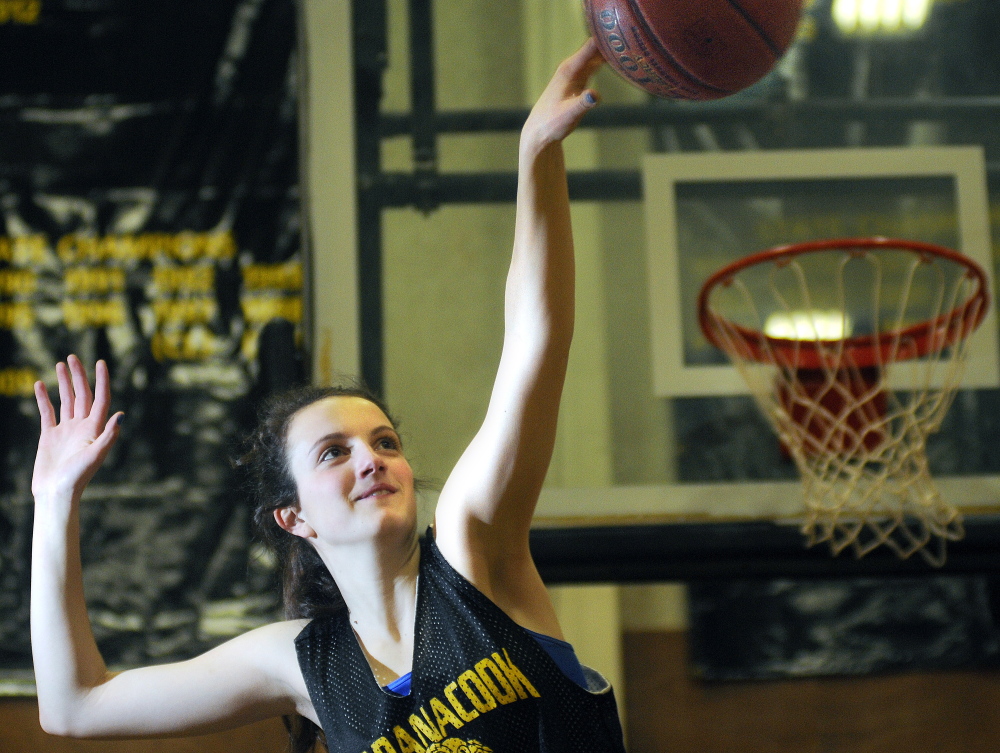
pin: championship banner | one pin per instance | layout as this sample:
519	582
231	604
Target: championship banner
151	217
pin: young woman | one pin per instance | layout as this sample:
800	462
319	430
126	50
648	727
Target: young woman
394	643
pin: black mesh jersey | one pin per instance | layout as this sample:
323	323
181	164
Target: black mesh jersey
480	683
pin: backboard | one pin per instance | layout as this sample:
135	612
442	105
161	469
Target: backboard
704	211
689	443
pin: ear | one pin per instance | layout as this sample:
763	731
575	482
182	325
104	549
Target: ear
288	519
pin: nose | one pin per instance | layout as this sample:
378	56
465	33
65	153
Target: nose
368	462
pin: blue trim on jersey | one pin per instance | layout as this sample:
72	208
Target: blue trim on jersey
401	685
561	652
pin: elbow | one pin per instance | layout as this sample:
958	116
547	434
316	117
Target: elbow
59	724
53	724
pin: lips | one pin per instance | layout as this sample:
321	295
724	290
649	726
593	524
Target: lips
378	490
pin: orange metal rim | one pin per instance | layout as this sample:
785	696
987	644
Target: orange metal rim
866	350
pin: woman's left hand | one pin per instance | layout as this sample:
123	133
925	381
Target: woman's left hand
565	100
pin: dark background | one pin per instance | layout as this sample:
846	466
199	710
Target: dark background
154	117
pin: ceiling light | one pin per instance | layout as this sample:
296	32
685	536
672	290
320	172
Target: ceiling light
880	17
829	324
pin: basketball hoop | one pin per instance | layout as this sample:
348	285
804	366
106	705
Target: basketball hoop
854	348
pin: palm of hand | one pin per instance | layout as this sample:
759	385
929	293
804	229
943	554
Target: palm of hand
71	449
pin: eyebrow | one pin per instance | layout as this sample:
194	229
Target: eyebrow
339	435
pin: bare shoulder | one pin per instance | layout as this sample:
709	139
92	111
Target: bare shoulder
265	658
272	648
282	631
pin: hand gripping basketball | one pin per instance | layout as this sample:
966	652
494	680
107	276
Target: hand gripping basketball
693	49
566	98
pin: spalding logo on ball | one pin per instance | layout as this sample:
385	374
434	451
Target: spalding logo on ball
693	49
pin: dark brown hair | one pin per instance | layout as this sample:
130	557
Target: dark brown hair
308	589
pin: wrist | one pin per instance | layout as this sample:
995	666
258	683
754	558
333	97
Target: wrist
56	499
534	152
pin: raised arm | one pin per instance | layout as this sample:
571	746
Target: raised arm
485	508
77	695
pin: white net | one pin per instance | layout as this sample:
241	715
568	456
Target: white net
854	352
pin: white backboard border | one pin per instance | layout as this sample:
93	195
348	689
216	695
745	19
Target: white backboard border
672	377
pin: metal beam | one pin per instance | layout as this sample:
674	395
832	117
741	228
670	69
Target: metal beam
423	125
370	59
412	190
661	113
693	551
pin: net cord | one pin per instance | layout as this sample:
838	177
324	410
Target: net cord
865	473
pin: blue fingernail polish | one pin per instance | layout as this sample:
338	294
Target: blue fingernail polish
589	98
121	419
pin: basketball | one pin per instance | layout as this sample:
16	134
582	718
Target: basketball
693	49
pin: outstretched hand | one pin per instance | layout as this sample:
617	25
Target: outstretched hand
71	449
565	100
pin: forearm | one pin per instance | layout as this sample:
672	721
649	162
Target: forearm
66	659
540	284
539	313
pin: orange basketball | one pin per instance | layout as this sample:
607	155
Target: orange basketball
693	49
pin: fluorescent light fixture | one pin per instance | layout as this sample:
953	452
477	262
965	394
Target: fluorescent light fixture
869	15
891	17
820	324
880	16
915	13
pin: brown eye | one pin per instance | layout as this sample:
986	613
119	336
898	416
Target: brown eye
331	453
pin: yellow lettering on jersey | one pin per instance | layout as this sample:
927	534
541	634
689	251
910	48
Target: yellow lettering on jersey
495	680
444	716
449	693
382	745
16	316
406	742
485	668
425	728
481	697
514	675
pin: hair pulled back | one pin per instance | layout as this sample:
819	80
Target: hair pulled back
308	589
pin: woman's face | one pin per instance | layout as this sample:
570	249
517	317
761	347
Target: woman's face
354	483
